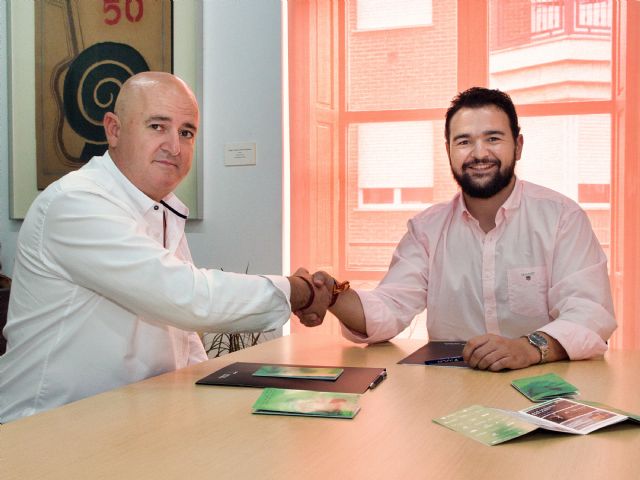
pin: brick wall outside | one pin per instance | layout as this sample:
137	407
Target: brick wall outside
514	18
403	68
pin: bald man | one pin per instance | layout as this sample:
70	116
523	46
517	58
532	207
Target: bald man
105	292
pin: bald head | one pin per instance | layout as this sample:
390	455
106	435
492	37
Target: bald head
151	133
145	85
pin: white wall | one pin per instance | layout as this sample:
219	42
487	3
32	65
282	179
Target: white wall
240	99
242	102
8	228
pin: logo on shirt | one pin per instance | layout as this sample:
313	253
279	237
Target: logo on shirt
527	275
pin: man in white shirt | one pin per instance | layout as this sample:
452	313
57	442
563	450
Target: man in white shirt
104	289
512	268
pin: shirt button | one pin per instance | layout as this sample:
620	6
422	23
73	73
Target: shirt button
156	207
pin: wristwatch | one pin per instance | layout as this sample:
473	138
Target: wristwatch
538	341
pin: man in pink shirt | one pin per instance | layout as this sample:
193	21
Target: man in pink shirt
512	268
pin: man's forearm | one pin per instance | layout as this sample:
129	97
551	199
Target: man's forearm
348	308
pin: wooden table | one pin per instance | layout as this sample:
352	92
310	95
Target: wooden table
167	427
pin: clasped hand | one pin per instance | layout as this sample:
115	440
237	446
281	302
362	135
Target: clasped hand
322	284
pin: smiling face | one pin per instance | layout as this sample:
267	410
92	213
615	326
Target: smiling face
482	151
152	132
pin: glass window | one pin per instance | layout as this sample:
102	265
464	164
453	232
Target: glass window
395	164
554	57
564	151
572	155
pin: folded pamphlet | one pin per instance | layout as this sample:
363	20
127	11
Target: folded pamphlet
279	401
492	426
544	387
310	373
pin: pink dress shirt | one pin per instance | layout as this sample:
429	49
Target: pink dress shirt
541	268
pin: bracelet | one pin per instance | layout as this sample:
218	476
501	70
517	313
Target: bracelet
338	288
312	293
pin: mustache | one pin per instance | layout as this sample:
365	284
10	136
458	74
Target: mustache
477	161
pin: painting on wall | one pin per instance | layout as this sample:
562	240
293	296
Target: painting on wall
84	53
67	62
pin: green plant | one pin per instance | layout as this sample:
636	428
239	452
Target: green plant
223	343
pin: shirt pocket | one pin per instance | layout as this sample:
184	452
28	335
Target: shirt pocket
528	291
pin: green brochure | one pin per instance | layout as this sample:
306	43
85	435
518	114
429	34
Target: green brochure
544	387
309	373
279	401
492	426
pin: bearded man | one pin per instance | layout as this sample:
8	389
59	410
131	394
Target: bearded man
512	268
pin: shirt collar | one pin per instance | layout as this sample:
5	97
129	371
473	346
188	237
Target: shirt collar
142	202
511	204
458	200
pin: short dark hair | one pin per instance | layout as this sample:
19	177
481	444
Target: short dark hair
477	97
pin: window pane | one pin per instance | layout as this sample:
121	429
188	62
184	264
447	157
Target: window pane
551	50
417	195
404	68
412	160
395	154
572	154
593	193
562	152
372	196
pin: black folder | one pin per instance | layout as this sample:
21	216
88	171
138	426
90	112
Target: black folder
240	374
435	350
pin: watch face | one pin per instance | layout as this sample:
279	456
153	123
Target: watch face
538	340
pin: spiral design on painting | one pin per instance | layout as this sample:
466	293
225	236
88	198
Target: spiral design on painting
92	84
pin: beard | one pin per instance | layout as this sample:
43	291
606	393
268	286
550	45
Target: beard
487	190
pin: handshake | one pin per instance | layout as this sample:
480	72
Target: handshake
313	295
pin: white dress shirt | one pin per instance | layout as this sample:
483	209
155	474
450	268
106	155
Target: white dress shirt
540	268
97	301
